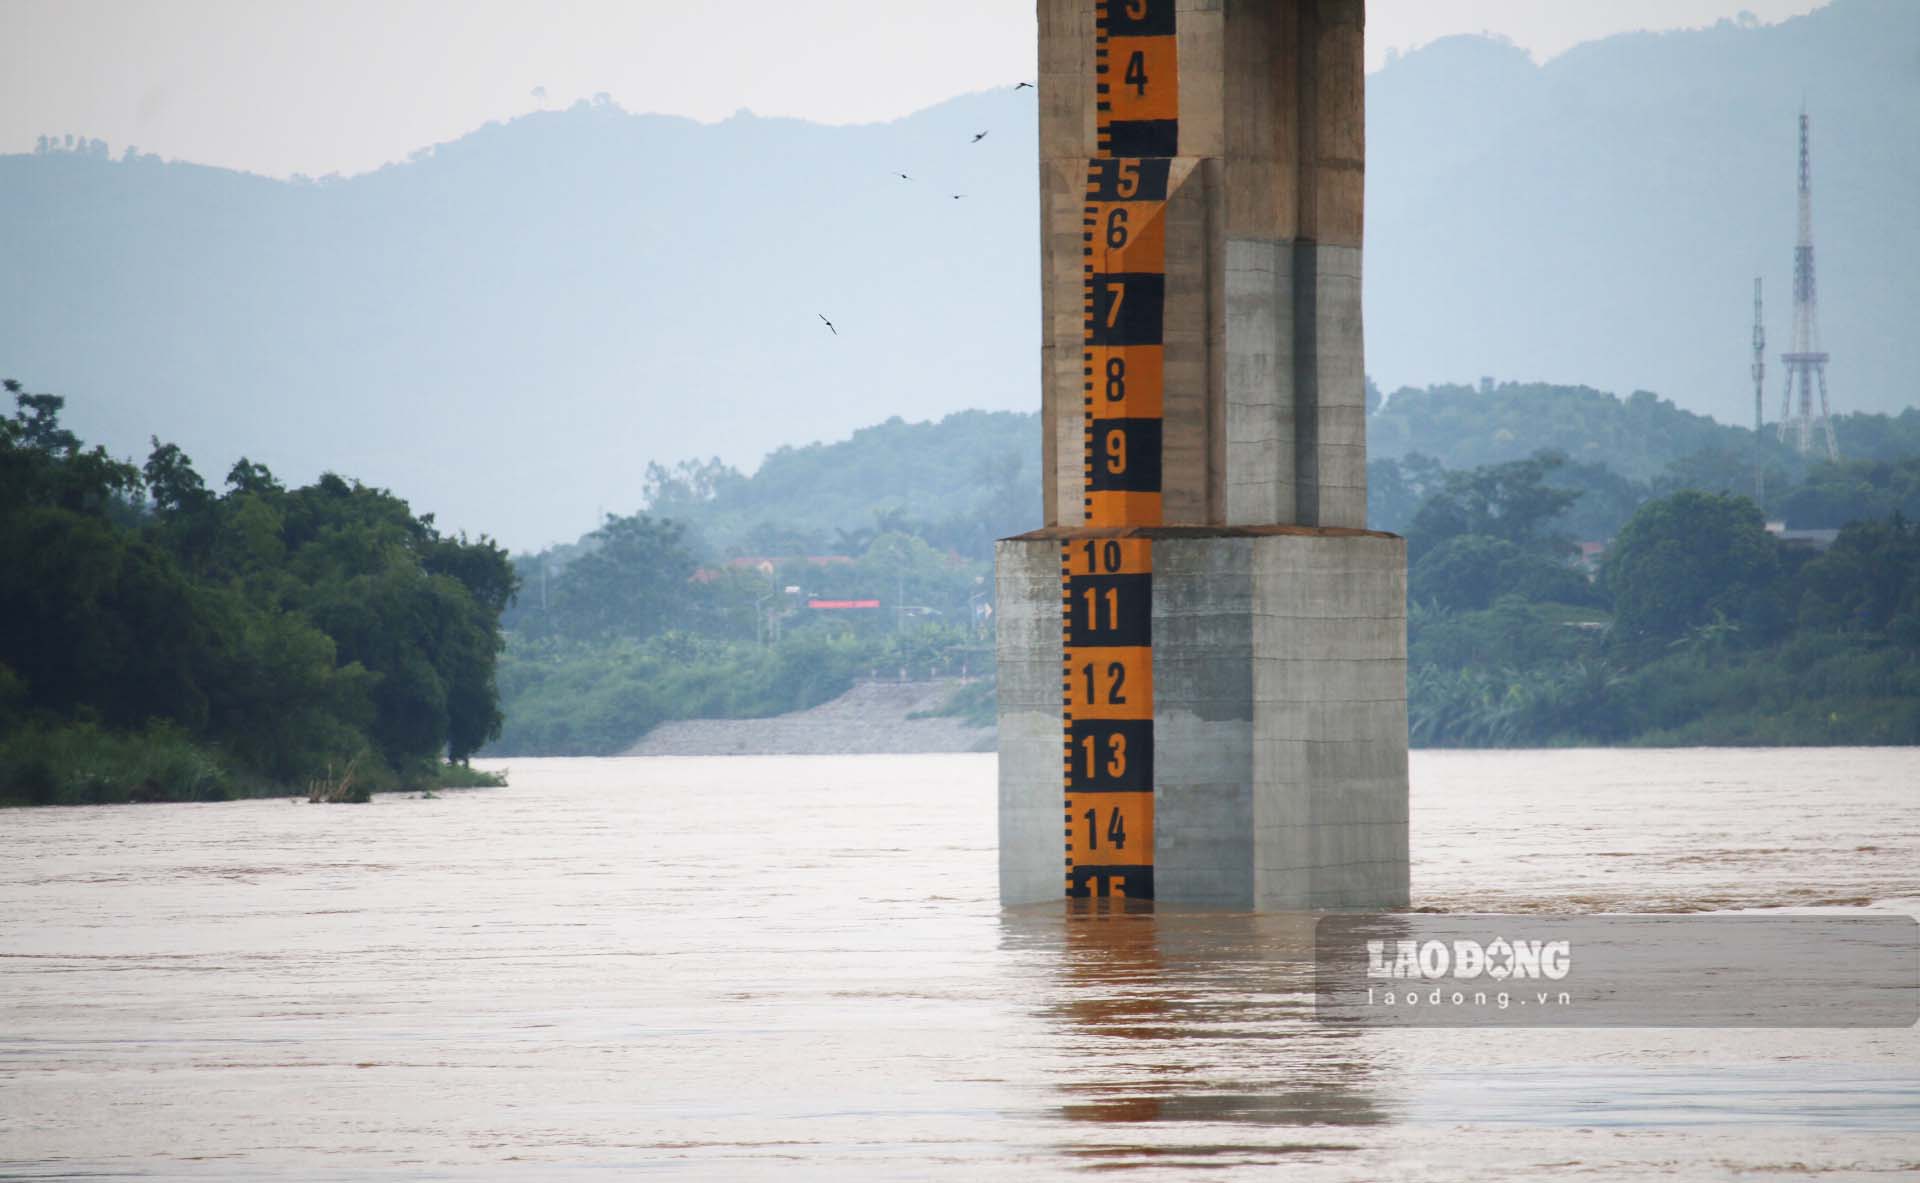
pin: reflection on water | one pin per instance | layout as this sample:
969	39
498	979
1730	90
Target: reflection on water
1238	986
754	968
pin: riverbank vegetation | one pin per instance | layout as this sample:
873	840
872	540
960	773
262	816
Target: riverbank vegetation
637	629
160	640
1698	627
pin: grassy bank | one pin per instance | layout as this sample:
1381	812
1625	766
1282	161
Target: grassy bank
572	698
86	764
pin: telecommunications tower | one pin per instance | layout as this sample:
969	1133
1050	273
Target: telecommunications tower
1759	389
1806	364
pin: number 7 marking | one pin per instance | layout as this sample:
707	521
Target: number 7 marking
1119	293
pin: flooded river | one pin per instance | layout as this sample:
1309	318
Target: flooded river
796	967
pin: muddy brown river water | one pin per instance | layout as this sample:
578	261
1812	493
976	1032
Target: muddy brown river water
796	967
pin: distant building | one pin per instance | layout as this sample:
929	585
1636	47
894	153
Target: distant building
1591	553
765	566
1813	540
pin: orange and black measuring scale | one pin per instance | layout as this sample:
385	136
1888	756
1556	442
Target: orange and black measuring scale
1106	575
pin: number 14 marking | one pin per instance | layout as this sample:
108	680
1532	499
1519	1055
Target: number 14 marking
1116	830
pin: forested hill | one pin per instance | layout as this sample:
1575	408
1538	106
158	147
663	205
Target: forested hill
569	295
705	606
965	480
1463	427
1638	436
959	483
574	294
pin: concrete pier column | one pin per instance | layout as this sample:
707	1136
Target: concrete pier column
1265	381
1227	720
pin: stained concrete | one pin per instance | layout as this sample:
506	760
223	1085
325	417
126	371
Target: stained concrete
1203	721
1032	738
1265	383
1330	723
1280	719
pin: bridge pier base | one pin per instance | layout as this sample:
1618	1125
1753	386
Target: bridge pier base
1279	724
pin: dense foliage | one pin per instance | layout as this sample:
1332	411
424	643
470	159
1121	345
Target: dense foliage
965	480
1702	626
1618	454
1637	436
958	483
634	630
259	637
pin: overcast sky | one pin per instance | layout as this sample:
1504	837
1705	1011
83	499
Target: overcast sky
320	86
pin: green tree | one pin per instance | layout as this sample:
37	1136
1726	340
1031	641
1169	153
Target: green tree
1471	571
1852	491
1397	488
99	620
291	630
1687	560
1510	501
173	483
632	584
1868	580
42	463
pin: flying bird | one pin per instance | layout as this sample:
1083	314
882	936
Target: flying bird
981	136
828	323
1023	86
903	176
958	196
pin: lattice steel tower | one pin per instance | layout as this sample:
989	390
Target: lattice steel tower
1759	390
1806	364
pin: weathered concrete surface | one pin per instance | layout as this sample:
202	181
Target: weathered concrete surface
1203	721
1280	718
1329	722
1032	743
1265	384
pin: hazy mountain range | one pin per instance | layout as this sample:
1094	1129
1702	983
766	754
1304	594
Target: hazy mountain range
507	328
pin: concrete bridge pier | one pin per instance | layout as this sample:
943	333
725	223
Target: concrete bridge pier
1202	655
